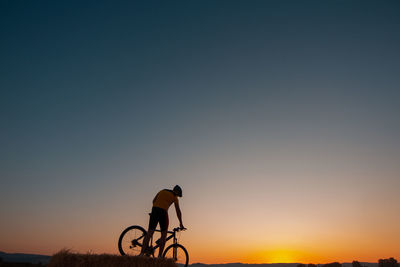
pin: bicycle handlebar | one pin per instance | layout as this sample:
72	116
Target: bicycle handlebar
177	229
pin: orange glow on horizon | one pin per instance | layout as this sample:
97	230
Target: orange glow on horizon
273	256
254	255
218	253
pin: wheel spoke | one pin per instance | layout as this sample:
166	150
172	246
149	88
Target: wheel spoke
130	241
178	254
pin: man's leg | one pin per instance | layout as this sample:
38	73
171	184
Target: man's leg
162	243
146	241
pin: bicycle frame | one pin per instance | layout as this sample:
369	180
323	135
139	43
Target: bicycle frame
172	234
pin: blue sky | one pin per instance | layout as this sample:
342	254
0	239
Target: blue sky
103	101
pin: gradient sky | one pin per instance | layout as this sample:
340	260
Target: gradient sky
279	119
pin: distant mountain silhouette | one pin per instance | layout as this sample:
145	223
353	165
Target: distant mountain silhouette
24	258
238	264
346	264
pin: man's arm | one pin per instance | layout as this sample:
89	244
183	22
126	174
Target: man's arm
179	214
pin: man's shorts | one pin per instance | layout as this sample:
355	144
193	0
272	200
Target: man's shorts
158	215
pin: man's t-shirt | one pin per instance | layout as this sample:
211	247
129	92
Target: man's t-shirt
164	199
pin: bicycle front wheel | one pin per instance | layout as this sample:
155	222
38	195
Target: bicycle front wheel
130	241
178	253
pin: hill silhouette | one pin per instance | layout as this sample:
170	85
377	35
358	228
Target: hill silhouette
65	258
24	258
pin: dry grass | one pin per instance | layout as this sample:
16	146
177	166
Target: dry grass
65	258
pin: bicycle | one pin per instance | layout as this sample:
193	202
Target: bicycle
131	239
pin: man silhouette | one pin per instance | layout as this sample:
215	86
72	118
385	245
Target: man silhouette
159	214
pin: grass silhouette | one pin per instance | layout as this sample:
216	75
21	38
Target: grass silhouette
66	258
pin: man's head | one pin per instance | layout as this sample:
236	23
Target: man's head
177	190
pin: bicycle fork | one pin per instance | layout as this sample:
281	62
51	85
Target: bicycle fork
175	250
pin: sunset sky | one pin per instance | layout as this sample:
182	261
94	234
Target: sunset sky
279	119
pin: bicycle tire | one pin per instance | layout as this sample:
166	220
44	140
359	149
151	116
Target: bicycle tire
184	261
127	234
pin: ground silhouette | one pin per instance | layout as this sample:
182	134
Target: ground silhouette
65	258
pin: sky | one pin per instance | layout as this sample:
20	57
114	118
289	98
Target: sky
279	119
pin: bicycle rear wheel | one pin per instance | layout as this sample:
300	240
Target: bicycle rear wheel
178	253
130	241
